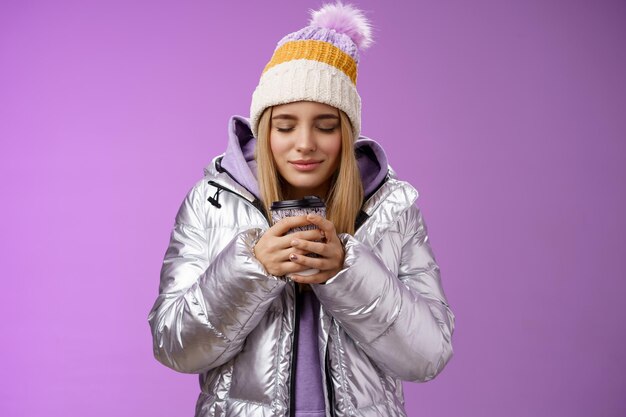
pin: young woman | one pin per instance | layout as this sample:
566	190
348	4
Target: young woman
335	343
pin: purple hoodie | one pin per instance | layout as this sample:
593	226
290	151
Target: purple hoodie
240	163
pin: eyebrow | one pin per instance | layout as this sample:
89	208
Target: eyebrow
318	117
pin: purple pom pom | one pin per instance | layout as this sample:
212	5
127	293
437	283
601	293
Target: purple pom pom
344	18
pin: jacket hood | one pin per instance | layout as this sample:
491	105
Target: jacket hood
239	159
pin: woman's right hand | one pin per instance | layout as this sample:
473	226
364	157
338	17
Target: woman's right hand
274	247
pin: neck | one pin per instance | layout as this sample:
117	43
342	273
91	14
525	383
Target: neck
293	193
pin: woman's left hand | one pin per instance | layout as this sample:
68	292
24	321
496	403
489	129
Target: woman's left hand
330	251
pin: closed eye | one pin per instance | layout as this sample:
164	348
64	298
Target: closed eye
321	129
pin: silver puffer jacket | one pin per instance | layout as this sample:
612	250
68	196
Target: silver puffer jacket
384	317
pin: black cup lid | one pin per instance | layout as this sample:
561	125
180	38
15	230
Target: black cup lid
309	201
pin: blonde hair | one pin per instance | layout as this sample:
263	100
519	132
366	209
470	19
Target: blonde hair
345	195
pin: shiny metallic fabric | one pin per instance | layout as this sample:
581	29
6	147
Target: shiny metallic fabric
384	317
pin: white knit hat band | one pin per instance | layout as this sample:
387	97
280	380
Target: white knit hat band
306	80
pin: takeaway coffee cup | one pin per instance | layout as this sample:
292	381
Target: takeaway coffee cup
302	207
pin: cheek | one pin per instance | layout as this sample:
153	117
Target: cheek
333	149
277	148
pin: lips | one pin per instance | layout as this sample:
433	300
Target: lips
305	165
305	161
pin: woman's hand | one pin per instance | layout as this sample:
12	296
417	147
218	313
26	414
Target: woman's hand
331	252
273	249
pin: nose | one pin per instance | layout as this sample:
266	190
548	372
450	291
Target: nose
305	141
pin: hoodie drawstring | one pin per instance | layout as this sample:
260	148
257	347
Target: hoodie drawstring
215	200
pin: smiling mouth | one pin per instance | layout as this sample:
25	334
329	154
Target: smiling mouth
305	165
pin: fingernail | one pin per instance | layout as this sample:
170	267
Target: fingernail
322	234
293	256
294	242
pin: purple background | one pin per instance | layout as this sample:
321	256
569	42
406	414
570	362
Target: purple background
508	117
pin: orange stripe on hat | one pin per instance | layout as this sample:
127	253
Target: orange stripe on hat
316	51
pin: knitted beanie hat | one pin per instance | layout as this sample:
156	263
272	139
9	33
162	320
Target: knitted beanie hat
317	63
